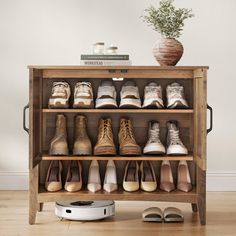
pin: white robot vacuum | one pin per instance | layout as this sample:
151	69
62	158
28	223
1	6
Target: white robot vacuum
85	210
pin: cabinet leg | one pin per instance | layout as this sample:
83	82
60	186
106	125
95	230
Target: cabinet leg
33	192
40	206
194	207
201	189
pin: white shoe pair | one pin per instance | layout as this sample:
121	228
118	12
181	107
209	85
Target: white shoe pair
94	179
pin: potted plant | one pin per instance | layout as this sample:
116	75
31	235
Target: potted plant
169	22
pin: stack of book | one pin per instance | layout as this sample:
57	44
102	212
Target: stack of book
105	60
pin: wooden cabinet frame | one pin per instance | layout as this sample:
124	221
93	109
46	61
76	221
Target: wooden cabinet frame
193	121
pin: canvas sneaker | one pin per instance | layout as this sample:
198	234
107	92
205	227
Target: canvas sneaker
153	96
106	97
129	95
60	95
175	96
174	145
83	95
154	144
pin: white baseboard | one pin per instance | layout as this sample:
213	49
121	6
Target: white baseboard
14	180
216	181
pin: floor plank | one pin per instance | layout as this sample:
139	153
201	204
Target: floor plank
221	219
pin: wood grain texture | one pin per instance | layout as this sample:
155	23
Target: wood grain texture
168	51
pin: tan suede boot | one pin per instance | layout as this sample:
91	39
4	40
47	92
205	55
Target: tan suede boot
82	144
128	145
58	145
105	144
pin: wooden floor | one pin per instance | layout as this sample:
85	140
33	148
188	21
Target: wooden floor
221	219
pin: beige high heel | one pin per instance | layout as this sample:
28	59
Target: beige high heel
94	180
110	180
184	181
74	177
148	177
131	177
53	181
167	182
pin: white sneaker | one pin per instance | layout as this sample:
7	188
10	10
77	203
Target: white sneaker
154	144
83	95
129	95
153	96
110	180
175	145
60	95
94	180
106	97
175	96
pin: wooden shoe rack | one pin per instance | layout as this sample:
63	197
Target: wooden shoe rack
192	123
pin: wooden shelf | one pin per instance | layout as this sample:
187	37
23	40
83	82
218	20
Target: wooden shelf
47	157
176	111
174	196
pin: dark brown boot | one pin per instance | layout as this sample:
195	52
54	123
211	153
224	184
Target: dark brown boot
128	145
58	145
105	144
82	144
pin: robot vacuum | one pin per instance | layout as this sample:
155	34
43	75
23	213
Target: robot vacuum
85	210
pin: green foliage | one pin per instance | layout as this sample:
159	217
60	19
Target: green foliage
167	20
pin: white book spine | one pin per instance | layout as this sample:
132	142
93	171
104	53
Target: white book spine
106	62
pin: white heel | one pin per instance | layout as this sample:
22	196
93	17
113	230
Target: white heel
94	180
110	181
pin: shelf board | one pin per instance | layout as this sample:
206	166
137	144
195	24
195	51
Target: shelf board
177	111
174	196
117	158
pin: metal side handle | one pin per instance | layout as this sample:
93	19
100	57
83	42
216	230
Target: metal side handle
211	119
24	115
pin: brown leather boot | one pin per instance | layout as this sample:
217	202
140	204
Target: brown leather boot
58	145
128	145
105	144
82	144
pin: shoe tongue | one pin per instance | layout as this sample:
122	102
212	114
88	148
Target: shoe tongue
172	126
129	83
175	84
152	84
106	83
155	125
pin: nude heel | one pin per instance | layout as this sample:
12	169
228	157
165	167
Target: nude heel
167	182
94	180
184	181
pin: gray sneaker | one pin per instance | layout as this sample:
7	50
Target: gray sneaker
153	96
174	144
106	97
129	95
154	144
175	96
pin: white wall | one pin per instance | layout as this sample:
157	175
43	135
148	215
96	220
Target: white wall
58	31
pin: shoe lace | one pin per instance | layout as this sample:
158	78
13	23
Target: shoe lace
83	87
105	130
176	92
153	92
174	137
154	136
126	130
59	88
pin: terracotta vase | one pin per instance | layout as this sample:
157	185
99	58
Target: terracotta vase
168	51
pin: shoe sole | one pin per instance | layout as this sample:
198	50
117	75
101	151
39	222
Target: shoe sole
59	103
130	103
178	105
58	152
130	151
105	151
80	152
106	103
86	103
153	150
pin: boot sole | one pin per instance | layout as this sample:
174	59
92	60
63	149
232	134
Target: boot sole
130	151
105	151
58	152
82	152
